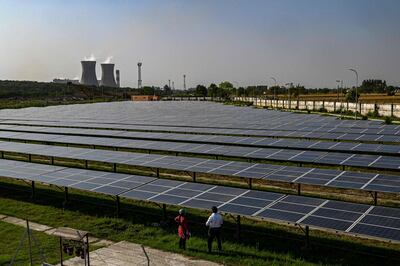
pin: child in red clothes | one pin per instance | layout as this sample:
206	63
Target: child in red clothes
183	231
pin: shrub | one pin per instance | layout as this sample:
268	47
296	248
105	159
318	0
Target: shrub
388	120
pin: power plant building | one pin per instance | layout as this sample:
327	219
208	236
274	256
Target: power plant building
89	73
107	76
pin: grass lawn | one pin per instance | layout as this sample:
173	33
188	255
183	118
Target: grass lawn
262	243
10	236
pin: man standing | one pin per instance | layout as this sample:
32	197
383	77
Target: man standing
214	224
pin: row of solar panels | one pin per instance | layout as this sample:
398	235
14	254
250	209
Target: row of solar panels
325	135
300	175
331	127
218	116
356	219
348	147
271	154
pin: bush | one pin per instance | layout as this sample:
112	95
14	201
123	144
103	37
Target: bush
388	120
374	113
364	117
323	110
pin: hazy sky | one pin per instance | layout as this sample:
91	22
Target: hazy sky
311	42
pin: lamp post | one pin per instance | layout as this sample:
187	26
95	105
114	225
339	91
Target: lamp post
338	84
274	79
355	72
289	85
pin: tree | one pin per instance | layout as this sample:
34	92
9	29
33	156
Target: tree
241	92
226	85
391	90
373	86
167	90
147	90
212	90
351	95
201	91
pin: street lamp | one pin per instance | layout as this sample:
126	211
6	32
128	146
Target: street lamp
274	79
338	84
355	72
290	85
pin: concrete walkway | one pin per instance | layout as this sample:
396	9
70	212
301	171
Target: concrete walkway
117	254
126	253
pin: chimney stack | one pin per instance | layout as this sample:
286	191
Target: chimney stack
139	75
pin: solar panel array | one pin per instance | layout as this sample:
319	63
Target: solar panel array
92	123
348	134
182	114
359	219
302	175
231	140
271	154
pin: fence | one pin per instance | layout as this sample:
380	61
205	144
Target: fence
386	109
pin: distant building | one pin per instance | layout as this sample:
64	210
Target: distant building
144	98
65	81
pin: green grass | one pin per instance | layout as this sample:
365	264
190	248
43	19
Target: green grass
10	239
262	243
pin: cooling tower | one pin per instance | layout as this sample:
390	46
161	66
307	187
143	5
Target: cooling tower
107	76
89	73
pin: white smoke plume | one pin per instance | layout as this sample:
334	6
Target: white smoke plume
108	60
91	58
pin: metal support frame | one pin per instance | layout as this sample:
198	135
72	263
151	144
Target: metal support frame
66	195
194	177
118	205
164	207
374	195
33	190
238	227
306	232
250	182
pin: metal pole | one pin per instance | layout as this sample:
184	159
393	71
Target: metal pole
274	79
117	201
238	227
30	244
33	189
87	252
61	252
356	73
337	81
66	195
164	211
